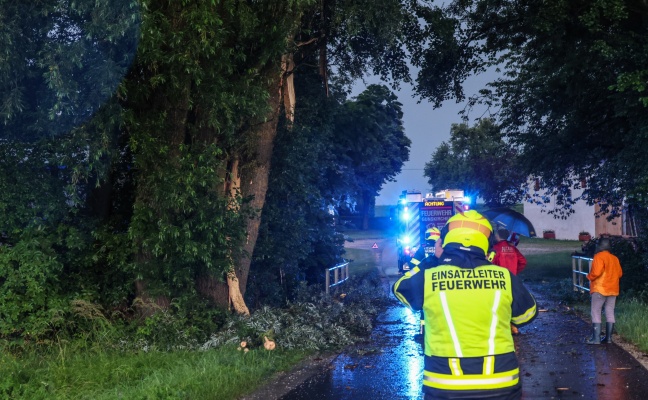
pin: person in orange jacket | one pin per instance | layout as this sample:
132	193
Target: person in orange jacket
604	289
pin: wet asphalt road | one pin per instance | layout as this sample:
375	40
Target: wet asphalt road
554	361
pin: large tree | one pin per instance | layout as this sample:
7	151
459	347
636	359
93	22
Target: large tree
159	180
572	93
481	162
370	138
336	147
349	37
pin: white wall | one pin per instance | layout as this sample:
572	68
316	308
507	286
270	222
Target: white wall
566	229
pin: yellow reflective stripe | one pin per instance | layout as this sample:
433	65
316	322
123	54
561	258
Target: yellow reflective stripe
453	331
455	367
494	319
471	382
483	229
415	261
526	316
407	275
489	365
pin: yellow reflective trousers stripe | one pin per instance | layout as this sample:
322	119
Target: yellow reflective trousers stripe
455	366
471	382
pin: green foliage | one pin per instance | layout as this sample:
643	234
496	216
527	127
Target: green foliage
61	62
185	227
370	137
297	236
182	326
336	149
107	374
315	321
362	37
632	321
572	74
481	162
29	289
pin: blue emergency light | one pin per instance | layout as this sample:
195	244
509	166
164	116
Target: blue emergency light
405	216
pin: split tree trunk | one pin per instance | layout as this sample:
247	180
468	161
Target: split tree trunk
254	176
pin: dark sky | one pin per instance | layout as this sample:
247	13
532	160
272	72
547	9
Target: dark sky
427	128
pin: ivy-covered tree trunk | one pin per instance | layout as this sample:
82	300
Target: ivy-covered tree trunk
254	185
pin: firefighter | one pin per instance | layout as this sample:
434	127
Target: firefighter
424	261
469	304
431	236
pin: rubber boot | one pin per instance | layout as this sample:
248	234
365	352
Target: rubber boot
609	327
596	335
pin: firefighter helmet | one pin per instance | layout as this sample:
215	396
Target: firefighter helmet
432	233
468	229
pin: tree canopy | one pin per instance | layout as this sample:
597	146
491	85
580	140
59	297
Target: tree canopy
481	162
572	92
127	126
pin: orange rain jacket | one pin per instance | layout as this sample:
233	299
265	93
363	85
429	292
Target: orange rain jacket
605	274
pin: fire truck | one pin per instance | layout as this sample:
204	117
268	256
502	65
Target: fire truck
416	213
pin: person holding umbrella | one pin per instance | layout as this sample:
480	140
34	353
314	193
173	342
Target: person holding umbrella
506	254
509	257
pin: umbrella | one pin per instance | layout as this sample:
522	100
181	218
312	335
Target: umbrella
511	220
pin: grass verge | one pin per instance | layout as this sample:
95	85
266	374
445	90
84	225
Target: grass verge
223	373
364	261
548	266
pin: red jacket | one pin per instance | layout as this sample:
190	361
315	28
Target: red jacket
509	257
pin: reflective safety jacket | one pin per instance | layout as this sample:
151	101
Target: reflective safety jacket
469	305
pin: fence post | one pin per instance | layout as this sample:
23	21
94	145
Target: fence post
579	276
574	281
340	274
328	280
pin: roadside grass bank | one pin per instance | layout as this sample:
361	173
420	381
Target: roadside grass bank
550	265
361	261
118	365
223	373
355	234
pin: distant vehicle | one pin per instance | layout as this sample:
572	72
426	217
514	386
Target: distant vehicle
416	213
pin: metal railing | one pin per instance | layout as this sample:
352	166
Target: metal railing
340	274
579	277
